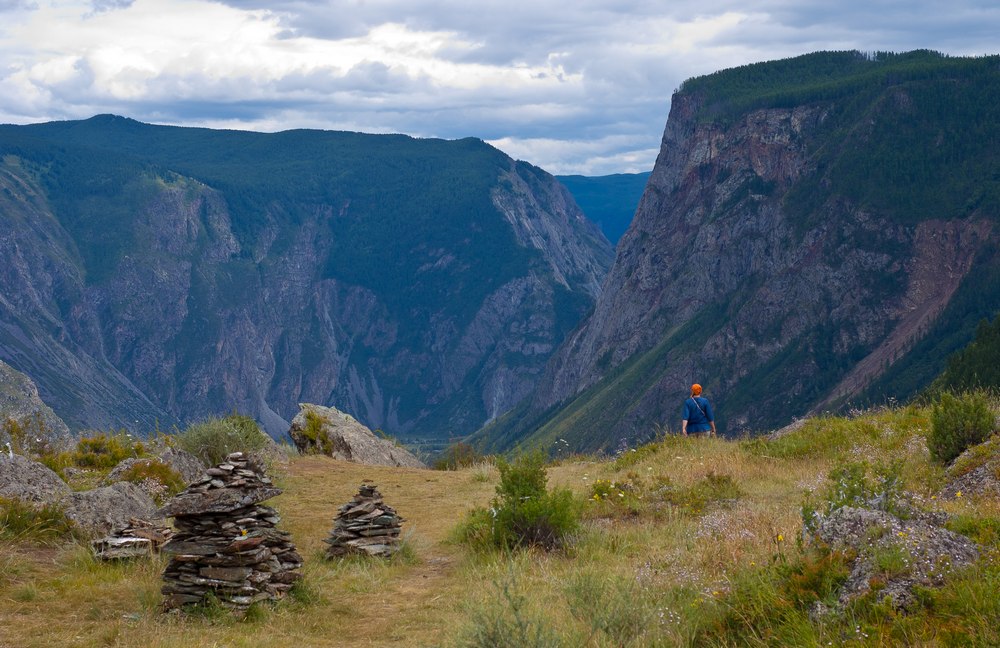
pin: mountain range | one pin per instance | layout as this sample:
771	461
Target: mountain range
817	233
159	275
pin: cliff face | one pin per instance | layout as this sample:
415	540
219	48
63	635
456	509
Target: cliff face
167	302
726	279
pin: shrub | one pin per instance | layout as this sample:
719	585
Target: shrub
21	520
458	455
215	438
508	620
105	450
316	434
524	512
169	481
611	606
958	422
859	484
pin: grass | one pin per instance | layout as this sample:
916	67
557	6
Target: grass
657	572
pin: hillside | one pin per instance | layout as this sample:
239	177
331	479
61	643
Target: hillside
165	274
816	232
706	549
609	201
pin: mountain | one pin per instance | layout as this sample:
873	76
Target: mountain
609	201
816	231
159	275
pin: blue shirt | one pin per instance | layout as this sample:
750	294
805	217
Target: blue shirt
697	420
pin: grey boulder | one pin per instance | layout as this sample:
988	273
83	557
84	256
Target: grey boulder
24	479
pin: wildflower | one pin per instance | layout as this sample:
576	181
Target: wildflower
621	494
958	494
781	538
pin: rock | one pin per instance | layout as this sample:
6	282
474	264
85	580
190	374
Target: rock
927	553
19	400
139	539
976	472
227	544
189	466
365	526
101	510
24	479
329	431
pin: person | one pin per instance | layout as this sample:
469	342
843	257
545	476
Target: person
698	416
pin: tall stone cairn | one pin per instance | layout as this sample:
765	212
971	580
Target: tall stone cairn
226	542
365	526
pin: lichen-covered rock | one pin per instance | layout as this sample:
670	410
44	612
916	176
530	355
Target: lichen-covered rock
976	472
921	553
190	467
24	479
329	431
101	510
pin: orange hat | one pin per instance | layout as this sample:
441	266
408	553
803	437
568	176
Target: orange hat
696	389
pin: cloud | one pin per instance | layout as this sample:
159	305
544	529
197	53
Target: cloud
585	90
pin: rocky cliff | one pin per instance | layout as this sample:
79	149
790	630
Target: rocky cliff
19	401
166	274
760	267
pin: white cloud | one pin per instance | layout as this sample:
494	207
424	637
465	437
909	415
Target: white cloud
583	89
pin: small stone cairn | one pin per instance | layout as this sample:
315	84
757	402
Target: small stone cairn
226	542
365	526
139	539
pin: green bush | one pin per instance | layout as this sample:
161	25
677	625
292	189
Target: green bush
21	520
859	484
458	455
157	471
215	438
105	450
524	512
957	423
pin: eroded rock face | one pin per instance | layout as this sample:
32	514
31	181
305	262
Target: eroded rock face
101	510
24	479
329	431
922	553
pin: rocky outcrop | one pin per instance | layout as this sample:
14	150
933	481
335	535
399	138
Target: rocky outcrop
893	555
101	510
975	472
24	479
327	430
262	304
19	401
188	466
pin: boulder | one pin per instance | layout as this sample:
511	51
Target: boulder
101	510
327	430
24	479
189	466
926	552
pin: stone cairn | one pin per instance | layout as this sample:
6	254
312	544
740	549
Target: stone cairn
139	539
226	542
365	526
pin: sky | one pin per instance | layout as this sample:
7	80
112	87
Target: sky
575	87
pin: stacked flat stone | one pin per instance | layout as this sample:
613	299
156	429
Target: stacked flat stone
139	539
365	526
226	542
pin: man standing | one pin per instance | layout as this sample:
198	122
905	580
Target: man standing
698	416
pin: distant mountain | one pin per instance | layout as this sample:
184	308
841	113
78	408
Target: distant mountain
609	201
159	274
816	231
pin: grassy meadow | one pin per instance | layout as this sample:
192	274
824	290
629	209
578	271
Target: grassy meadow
684	542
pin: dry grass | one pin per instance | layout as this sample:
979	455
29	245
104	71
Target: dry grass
679	559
